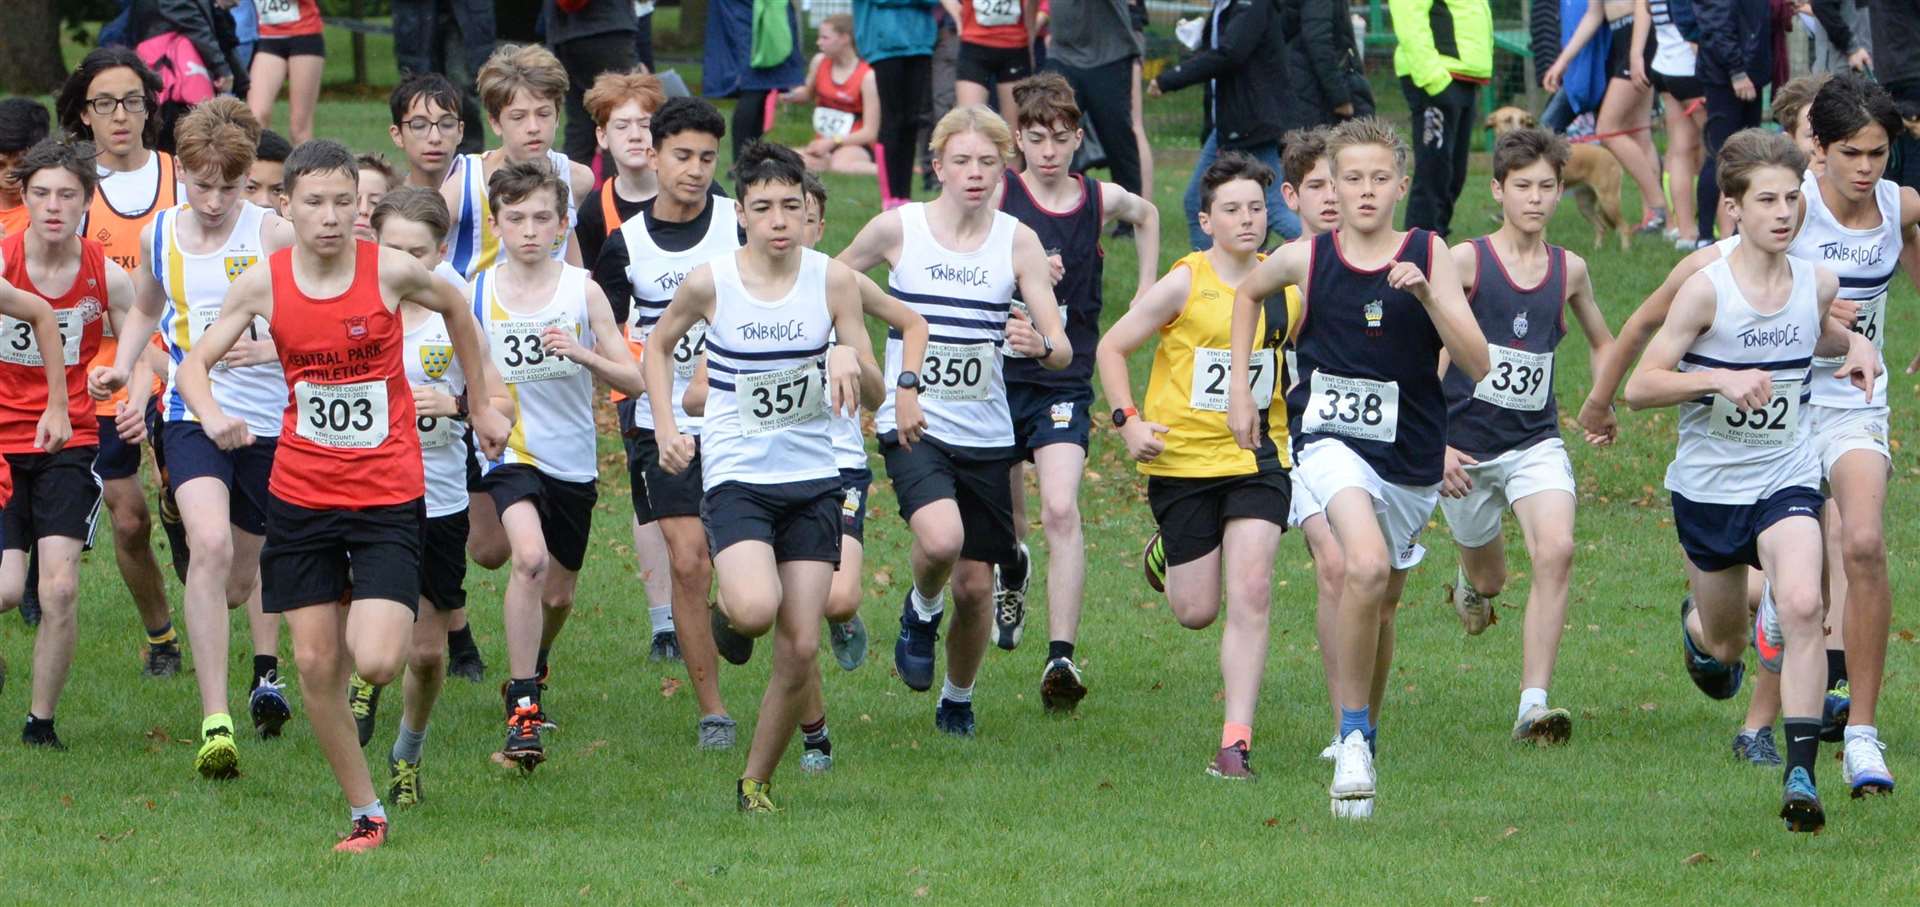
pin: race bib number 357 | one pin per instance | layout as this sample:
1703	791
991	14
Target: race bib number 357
957	371
778	400
347	416
1353	407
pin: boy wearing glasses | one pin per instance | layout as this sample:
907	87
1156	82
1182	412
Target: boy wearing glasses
426	127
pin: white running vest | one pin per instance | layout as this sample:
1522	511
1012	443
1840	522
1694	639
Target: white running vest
443	441
1864	260
965	298
1726	455
849	440
472	246
654	274
554	396
767	408
195	287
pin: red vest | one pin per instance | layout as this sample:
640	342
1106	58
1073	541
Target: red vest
840	95
82	307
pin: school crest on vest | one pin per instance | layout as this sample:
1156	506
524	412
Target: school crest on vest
1520	326
1374	312
356	327
435	358
238	265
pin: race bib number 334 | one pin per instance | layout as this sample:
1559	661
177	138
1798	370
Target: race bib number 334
521	354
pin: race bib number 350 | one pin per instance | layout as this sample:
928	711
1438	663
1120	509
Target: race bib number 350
957	371
348	416
1516	379
779	400
1210	369
1773	425
522	356
17	343
1353	407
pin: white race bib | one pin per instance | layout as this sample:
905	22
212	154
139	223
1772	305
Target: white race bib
1353	407
1210	369
1516	379
17	345
1774	425
779	400
687	353
520	355
352	416
277	12
957	371
438	431
1870	323
996	12
832	123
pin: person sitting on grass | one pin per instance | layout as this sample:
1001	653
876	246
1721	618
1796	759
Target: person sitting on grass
846	97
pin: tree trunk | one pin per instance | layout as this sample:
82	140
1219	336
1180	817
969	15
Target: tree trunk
693	24
30	61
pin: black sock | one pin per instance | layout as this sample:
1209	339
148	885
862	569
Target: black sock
461	640
522	688
1059	648
262	664
815	735
1803	744
540	663
1013	574
1836	667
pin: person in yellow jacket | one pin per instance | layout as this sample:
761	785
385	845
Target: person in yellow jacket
1444	54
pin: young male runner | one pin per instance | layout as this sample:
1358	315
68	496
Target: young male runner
112	98
376	177
267	178
50	451
775	309
196	250
329	304
1503	432
1735	353
23	123
414	219
1052	409
682	227
551	333
1366	415
957	261
522	87
1217	507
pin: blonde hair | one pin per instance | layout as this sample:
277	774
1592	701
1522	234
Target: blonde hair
219	134
517	67
974	119
612	89
1366	131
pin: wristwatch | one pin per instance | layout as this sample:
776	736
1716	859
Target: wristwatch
460	407
1121	415
908	381
1046	343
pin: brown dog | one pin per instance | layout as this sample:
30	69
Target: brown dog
1592	174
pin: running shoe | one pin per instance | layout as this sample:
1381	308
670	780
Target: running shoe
547	724
163	660
1865	769
815	762
665	647
267	703
1332	751
1231	763
849	642
1153	560
1060	686
1475	610
1800	803
363	700
1654	225
1756	748
523	736
1544	726
717	732
30	605
1010	604
1353	777
752	796
1835	711
218	758
954	718
913	651
466	664
42	735
404	788
1717	680
732	646
1768	640
368	833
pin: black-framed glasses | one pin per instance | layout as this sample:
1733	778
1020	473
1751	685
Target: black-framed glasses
421	125
136	104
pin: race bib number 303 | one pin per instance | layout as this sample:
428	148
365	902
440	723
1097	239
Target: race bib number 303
1210	369
1516	379
957	371
522	356
1352	407
779	400
1774	425
346	416
17	342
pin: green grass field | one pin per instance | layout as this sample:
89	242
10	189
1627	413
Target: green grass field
1111	805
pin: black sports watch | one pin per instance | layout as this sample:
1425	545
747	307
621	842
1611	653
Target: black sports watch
460	407
908	381
1120	416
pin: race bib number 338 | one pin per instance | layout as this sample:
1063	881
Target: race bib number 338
1353	407
348	416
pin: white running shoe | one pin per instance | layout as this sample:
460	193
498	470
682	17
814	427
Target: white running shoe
1768	640
1475	610
1353	777
1865	769
1332	752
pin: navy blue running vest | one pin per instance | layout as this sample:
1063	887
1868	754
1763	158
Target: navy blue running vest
1529	320
1075	237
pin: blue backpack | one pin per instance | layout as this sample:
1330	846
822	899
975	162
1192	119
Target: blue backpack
1585	82
118	31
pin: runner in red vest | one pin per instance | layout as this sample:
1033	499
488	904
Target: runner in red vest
846	98
344	504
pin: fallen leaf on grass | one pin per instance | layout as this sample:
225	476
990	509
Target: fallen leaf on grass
882	578
115	839
1695	859
1148	605
584	889
920	892
1272	822
66	801
1510	832
594	747
668	687
1906	635
1648	706
1104	785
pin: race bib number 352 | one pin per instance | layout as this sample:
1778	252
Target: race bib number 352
1773	425
1516	379
957	371
1353	407
348	416
1210	369
778	400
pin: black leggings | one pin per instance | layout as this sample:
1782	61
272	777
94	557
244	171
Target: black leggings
1726	115
906	92
749	119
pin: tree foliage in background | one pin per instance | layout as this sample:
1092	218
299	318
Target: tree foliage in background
30	47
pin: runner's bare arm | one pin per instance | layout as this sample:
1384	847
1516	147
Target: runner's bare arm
1025	333
149	301
610	360
1152	310
1126	207
1586	310
1284	268
694	401
1466	263
54	427
1657	381
250	296
877	303
846	375
1448	308
1610	370
692	301
405	279
876	242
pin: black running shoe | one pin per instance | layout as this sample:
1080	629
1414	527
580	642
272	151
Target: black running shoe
523	736
268	706
40	733
954	718
163	660
732	646
1714	678
665	648
363	699
467	664
1060	686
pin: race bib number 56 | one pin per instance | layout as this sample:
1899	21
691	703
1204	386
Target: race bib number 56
347	416
1353	407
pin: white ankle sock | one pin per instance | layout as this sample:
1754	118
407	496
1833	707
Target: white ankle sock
955	694
1867	731
373	810
1530	697
928	608
662	617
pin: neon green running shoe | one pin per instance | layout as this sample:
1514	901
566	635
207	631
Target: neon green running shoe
404	788
219	758
1154	560
753	796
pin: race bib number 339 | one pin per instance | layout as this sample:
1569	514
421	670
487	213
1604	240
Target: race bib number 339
347	416
1516	379
1352	407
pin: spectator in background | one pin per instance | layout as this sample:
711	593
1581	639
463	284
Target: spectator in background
1626	110
996	49
946	65
23	123
1837	35
1247	109
1895	26
292	51
452	38
590	37
246	32
204	23
897	37
1444	53
749	61
1095	46
643	33
1669	67
1323	60
846	99
1735	60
